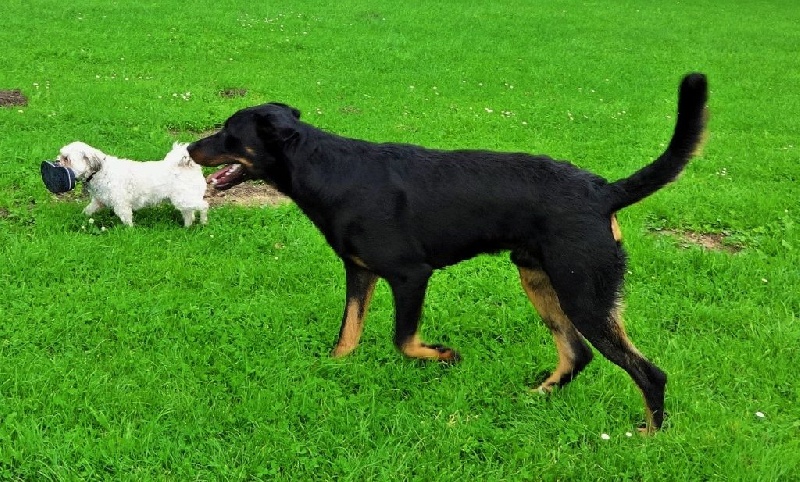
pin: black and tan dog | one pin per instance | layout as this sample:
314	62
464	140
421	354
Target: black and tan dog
398	212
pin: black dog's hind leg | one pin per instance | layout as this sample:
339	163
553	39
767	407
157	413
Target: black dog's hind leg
408	289
609	337
360	285
588	292
573	352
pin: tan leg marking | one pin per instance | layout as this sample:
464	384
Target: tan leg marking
355	313
619	327
543	297
359	262
615	230
414	348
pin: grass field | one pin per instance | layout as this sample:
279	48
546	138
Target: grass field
160	353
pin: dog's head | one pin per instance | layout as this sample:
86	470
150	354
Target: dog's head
252	141
179	155
82	158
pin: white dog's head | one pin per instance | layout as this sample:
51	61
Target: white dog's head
82	158
179	155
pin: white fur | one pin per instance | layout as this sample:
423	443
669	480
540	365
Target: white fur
126	186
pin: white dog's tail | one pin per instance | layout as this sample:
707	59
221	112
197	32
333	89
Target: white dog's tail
179	155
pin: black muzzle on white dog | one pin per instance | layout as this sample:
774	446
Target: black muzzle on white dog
57	178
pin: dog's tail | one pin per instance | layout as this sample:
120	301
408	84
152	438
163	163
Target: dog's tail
686	141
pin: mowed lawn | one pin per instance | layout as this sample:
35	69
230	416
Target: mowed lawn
163	353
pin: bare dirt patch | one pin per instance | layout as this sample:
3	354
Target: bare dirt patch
11	98
710	241
232	93
199	134
246	194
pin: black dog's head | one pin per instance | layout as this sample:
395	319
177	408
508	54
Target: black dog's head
252	141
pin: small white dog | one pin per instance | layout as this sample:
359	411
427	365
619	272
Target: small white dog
126	186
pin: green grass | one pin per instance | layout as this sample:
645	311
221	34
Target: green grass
159	353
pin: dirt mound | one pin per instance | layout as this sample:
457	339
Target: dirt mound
11	98
246	194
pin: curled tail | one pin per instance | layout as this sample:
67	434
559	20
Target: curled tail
686	141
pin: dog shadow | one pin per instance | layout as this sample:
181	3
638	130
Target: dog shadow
153	217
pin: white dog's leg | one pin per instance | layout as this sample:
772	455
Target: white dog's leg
204	212
188	217
92	208
125	214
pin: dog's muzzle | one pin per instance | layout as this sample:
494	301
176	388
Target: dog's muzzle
57	178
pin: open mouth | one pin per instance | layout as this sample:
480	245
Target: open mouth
228	176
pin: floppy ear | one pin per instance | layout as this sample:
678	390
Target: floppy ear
278	123
93	157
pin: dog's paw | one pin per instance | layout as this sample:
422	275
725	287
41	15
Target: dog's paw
446	354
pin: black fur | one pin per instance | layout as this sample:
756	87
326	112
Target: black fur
399	211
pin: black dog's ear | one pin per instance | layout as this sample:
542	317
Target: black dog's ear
295	112
278	122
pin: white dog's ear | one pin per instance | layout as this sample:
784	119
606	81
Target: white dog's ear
93	158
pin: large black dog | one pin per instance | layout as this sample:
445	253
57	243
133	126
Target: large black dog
399	211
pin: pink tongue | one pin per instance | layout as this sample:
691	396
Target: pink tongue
227	177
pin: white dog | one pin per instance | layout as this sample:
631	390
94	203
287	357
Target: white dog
126	186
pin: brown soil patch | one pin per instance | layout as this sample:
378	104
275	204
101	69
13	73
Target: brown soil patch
199	134
10	98
232	93
251	193
710	241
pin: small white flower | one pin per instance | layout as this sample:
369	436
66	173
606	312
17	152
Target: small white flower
760	414
605	436
628	434
91	220
103	229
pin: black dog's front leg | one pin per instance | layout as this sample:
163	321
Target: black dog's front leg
409	293
360	285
